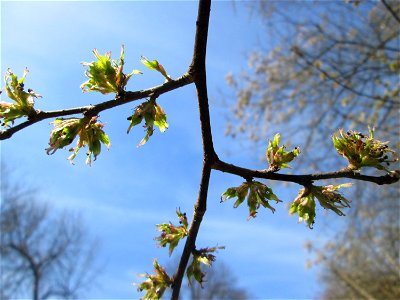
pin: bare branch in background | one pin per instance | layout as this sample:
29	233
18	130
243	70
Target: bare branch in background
44	254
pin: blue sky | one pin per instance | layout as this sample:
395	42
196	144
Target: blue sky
128	189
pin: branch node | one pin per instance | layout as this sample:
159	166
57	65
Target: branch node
90	111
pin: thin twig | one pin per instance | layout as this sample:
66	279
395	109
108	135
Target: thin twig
392	12
305	179
93	110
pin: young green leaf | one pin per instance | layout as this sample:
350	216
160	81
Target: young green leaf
155	285
202	256
257	194
363	151
304	206
160	118
106	75
23	100
89	132
171	234
153	114
328	198
277	157
154	65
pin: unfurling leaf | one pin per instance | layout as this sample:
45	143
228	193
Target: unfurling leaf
154	65
257	194
171	234
106	75
89	132
362	151
304	204
277	157
155	285
202	256
329	199
153	114
23	100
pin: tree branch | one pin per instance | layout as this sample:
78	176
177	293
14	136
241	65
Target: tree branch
198	71
303	55
200	208
306	179
197	74
93	110
392	12
33	266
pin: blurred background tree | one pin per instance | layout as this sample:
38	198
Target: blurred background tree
362	261
220	284
320	66
44	254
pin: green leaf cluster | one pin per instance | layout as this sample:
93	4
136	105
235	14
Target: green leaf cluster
362	151
257	194
277	157
89	132
106	75
23	100
171	234
328	198
154	65
153	114
304	206
155	285
202	256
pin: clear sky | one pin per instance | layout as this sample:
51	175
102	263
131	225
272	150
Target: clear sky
128	190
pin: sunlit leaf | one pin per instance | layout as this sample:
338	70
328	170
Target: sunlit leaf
89	132
23	101
171	234
257	193
155	285
106	75
328	198
153	114
154	65
277	157
363	151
